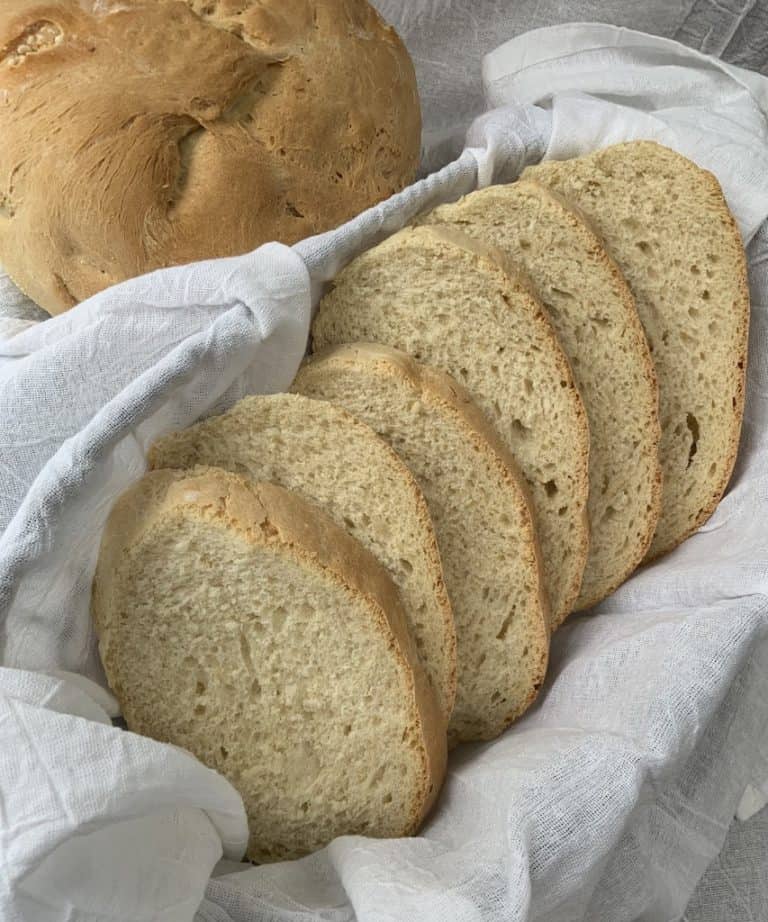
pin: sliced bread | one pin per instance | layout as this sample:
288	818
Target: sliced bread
481	516
459	305
239	622
337	462
594	315
665	222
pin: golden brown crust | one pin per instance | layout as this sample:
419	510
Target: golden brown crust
120	158
267	515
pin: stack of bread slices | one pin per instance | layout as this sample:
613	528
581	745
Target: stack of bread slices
510	406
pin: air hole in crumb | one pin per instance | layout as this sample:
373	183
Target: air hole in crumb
693	427
199	709
406	565
305	806
200	688
705	295
550	488
224	752
519	429
712	469
505	626
528	386
386	799
562	510
347	729
496	696
349	524
643	246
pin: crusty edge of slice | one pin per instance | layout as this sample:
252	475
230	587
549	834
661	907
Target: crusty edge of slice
420	507
582	226
267	515
707	178
500	265
593	242
742	303
440	389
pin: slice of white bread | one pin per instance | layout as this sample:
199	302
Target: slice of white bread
665	222
459	305
337	462
594	316
481	516
238	621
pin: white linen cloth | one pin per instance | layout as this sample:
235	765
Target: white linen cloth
607	801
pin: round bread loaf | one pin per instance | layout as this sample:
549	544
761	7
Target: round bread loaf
140	134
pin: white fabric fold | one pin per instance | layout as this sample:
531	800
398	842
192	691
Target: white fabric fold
607	801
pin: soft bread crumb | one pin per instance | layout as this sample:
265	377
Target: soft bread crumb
481	515
665	222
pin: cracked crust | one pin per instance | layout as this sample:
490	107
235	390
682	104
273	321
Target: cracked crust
124	154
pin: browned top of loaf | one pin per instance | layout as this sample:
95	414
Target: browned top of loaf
142	134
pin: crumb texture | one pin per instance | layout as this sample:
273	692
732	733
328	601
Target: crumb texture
667	225
481	517
224	630
336	462
594	316
446	300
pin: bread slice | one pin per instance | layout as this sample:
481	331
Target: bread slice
333	460
665	222
482	521
454	303
594	316
239	622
